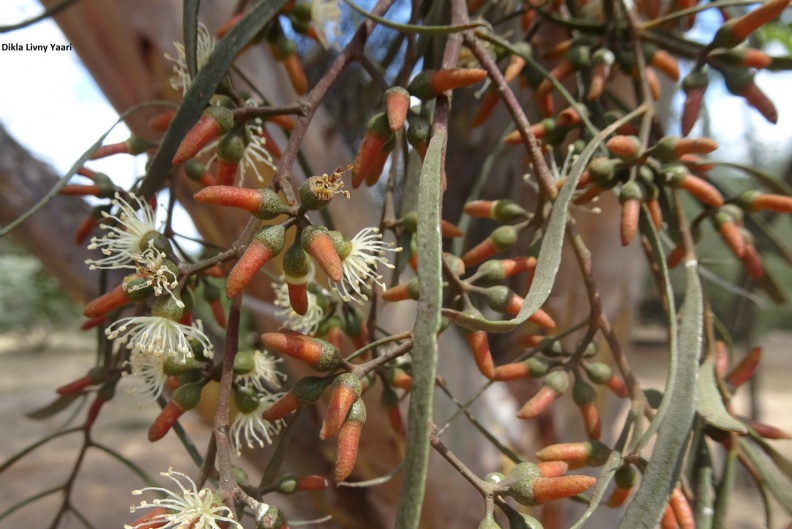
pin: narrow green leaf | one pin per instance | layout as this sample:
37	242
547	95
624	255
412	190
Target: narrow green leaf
424	354
709	401
783	464
662	471
652	237
780	489
190	33
203	87
549	257
56	406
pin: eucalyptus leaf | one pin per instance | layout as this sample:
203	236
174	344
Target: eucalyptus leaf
709	401
202	89
427	323
780	489
663	468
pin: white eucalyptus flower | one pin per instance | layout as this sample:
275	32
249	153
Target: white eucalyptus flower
133	224
264	374
306	324
188	507
205	44
159	336
251	429
364	253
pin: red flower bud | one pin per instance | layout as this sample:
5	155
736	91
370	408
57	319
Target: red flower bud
161	121
555	384
397	103
263	204
500	239
429	84
315	352
590	453
743	371
348	439
481	353
317	243
368	158
186	397
267	243
215	121
346	390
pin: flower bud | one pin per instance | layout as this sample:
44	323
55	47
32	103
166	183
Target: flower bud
378	133
481	353
287	54
503	210
306	391
751	201
494	271
591	453
263	204
317	243
198	172
215	121
121	295
556	384
552	469
134	145
626	478
346	389
603	172
402	291
390	401
730	232
96	375
736	30
669	148
186	397
500	239
315	352
418	133
230	151
676	175
741	83
625	147
266	244
694	85
297	270
743	371
630	198
585	399
161	121
397	103
429	84
348	439
289	483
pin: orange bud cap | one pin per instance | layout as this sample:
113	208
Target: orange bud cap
215	121
538	403
752	261
281	407
443	80
548	489
655	212
488	104
481	353
107	302
617	386
346	390
161	121
296	73
397	103
629	220
164	422
552	469
256	255
512	371
449	230
319	245
682	511
767	431
346	454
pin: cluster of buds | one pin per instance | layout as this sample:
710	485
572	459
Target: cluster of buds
379	139
532	484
